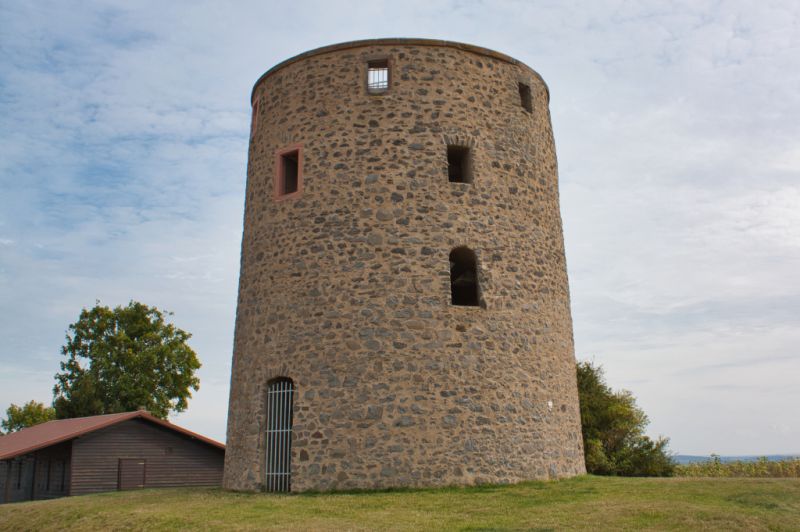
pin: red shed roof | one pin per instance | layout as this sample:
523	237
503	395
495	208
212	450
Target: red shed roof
47	434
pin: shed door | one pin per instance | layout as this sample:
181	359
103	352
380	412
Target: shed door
131	473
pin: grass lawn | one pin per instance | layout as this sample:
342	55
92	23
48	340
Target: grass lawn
581	503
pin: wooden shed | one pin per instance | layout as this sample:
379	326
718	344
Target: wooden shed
105	453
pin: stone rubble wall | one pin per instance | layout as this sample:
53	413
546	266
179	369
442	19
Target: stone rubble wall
346	288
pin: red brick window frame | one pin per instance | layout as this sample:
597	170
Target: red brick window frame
254	119
288	182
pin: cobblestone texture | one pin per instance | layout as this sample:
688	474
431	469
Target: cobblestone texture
345	289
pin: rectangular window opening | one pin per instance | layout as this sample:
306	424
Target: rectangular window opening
254	119
459	165
378	75
525	97
289	173
63	483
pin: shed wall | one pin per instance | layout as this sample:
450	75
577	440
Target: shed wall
172	460
51	475
17	476
44	475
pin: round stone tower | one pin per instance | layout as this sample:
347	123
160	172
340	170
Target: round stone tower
403	314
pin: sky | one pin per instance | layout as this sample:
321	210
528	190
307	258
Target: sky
123	144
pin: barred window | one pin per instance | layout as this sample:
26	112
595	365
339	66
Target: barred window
378	75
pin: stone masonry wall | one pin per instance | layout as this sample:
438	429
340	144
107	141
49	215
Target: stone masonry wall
345	289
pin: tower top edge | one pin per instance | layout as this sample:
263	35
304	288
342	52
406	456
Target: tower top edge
395	41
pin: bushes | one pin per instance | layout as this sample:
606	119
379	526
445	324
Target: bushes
614	442
613	430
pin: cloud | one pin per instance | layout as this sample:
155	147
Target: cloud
122	165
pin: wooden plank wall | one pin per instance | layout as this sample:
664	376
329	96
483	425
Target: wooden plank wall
172	459
18	479
52	472
5	466
44	475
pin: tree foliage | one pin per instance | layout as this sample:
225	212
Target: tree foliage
123	359
30	414
613	425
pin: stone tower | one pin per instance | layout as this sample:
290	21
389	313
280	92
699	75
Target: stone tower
403	314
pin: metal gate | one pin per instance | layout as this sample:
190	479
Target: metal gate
279	435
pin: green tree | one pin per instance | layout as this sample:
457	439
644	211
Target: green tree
30	414
613	425
123	359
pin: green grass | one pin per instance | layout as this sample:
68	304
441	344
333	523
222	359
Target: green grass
588	502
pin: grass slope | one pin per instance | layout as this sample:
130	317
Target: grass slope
580	503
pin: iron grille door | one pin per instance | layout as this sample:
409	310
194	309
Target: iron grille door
279	436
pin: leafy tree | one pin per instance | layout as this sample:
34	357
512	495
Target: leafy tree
30	414
123	359
613	430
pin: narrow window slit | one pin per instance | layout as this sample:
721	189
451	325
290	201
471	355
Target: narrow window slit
289	172
63	483
289	161
525	97
464	278
254	119
459	164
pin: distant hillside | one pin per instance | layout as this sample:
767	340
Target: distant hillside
692	459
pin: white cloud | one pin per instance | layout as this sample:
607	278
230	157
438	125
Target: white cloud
788	161
122	164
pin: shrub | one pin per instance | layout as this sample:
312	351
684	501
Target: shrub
614	442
